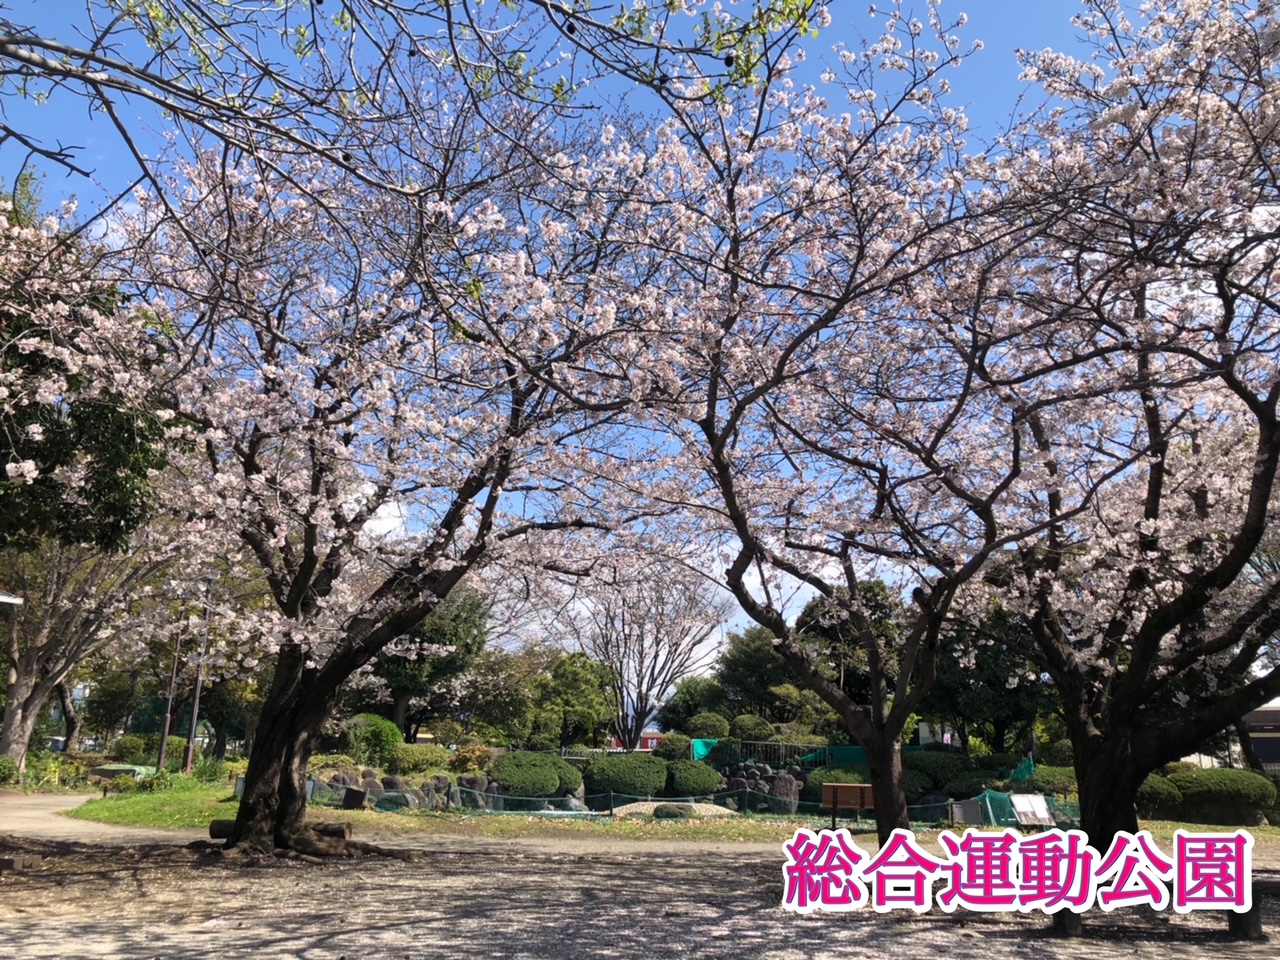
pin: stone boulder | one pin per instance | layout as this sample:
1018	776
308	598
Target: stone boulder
673	811
784	794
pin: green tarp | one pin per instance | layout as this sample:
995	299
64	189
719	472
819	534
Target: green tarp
703	747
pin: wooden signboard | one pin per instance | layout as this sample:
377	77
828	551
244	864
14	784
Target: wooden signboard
847	796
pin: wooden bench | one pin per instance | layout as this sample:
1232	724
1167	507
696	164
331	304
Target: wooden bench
847	796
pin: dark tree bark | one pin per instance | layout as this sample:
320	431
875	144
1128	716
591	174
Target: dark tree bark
884	758
71	719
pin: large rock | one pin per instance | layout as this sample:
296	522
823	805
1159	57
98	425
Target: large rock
477	782
454	797
399	800
395	783
493	796
354	799
673	811
439	782
737	783
784	794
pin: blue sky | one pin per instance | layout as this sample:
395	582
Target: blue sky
986	85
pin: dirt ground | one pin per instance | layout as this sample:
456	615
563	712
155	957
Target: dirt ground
127	897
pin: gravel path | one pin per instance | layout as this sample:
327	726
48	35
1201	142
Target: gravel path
592	900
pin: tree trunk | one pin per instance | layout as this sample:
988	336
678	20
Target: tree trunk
25	699
1108	781
220	741
71	719
884	757
999	735
400	714
274	804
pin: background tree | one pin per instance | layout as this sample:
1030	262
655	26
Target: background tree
650	623
573	704
436	650
692	696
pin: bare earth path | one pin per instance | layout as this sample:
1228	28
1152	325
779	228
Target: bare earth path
114	892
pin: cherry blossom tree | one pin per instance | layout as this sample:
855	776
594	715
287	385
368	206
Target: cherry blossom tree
349	356
308	78
1135	341
77	602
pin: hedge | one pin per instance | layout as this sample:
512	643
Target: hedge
1228	794
692	778
1054	781
674	746
371	739
708	726
998	762
521	773
748	726
916	783
837	774
968	785
1060	753
630	774
940	768
418	757
1158	798
570	776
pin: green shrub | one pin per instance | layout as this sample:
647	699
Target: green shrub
474	758
1053	781
692	778
1004	763
968	785
521	773
916	783
674	811
417	757
1223	796
174	751
708	726
128	747
158	782
837	774
369	738
8	770
328	761
725	752
630	774
1178	766
209	770
570	776
125	783
1060	753
674	746
940	768
1158	798
236	768
748	726
801	739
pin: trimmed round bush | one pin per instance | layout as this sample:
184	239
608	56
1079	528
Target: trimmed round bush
967	785
570	776
813	783
1223	796
940	768
916	783
708	726
674	746
125	783
1178	766
471	759
748	726
1158	798
1060	753
524	774
127	747
371	739
1001	762
8	770
417	757
1054	781
630	774
692	778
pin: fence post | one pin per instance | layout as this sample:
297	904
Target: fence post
611	803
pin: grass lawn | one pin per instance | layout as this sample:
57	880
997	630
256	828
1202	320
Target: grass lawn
193	805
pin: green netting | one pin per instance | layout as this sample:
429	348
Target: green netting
997	809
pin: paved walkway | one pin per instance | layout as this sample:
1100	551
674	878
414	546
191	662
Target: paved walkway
38	815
